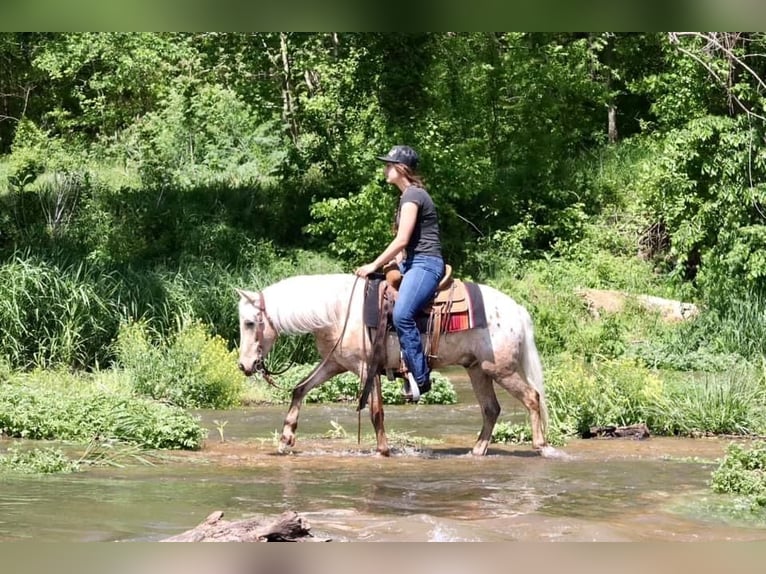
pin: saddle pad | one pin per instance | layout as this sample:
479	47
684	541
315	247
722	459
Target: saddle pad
476	314
371	296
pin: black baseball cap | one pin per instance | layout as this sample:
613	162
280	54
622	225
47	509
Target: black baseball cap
401	154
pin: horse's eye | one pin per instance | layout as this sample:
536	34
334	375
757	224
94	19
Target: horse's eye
249	324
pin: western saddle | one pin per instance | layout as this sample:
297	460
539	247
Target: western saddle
450	298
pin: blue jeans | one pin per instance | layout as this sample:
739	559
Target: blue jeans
420	278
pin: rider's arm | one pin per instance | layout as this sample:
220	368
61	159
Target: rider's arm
407	218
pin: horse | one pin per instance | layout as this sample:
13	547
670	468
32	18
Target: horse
330	306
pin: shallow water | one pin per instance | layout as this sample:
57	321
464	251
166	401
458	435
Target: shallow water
606	490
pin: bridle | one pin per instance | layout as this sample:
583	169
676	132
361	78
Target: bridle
259	365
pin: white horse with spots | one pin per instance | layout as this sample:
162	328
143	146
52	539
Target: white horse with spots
331	308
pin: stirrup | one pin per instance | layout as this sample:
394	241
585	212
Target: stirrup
411	386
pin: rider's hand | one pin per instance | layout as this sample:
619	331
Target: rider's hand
365	270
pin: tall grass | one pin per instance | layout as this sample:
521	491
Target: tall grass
57	312
623	392
51	315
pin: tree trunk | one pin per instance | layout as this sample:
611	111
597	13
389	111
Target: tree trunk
287	527
288	97
612	117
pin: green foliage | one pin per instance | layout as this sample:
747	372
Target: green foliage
501	254
51	315
346	387
614	392
28	158
60	406
623	392
193	370
743	472
46	460
107	79
341	388
679	90
729	403
360	225
704	185
549	290
202	136
731	333
506	432
442	391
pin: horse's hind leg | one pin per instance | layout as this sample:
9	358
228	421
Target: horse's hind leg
325	371
490	408
518	387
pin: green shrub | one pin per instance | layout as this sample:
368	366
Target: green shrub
46	460
346	387
205	134
611	392
56	405
743	472
193	370
506	432
442	391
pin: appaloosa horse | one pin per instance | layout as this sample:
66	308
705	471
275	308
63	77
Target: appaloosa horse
331	308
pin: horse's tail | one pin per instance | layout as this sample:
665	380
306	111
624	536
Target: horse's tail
533	367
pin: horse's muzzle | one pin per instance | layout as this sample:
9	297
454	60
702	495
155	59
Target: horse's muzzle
247	371
258	366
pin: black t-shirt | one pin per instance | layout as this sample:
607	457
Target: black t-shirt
425	238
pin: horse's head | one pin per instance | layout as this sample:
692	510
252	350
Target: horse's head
256	332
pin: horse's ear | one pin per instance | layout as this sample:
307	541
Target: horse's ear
251	296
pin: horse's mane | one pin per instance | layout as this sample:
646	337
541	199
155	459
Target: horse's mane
305	303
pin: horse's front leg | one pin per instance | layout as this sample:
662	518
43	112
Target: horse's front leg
376	414
325	371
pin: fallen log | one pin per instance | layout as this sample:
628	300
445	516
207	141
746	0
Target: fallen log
287	527
639	431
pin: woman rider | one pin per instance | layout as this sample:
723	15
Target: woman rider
417	250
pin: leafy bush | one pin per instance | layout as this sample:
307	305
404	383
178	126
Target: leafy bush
743	472
357	225
506	432
704	183
341	388
46	460
611	392
202	135
193	370
442	391
28	158
59	406
346	387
